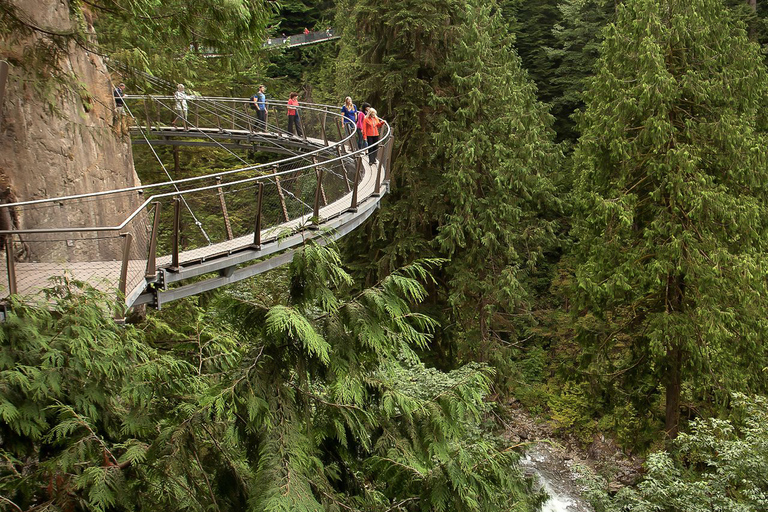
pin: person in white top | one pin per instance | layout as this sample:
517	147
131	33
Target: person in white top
181	105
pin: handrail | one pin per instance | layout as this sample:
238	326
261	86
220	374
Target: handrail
185	180
155	197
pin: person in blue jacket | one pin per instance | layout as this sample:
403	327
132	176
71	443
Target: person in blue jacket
260	101
349	110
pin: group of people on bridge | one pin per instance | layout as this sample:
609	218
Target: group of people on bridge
365	120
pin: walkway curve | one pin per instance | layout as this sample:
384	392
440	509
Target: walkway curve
224	227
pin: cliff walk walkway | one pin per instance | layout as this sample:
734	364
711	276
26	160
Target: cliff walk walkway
179	237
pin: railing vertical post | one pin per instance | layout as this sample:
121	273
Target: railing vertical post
338	128
318	195
387	169
11	265
322	127
176	229
303	126
358	167
217	112
227	225
127	238
152	256
257	227
322	187
376	191
197	115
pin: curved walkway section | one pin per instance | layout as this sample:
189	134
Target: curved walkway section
176	238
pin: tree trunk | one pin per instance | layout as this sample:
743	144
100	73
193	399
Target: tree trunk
674	384
675	296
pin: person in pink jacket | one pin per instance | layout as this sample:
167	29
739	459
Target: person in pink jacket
361	143
371	133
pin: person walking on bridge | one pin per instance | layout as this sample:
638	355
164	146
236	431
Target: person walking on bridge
293	114
371	133
260	101
181	105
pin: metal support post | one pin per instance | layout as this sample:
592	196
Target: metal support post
322	128
227	225
376	191
257	227
322	187
338	128
152	256
127	238
176	228
10	265
318	195
388	169
358	168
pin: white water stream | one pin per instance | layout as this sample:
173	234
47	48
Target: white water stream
556	478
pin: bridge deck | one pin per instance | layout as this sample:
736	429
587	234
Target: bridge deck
104	275
234	259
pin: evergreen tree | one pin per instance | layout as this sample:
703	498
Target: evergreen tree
577	39
474	154
671	204
315	403
533	24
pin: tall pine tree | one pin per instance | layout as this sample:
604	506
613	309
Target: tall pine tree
473	158
672	212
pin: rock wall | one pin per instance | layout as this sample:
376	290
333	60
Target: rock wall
59	136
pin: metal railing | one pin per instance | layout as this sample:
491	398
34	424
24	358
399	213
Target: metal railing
301	39
184	222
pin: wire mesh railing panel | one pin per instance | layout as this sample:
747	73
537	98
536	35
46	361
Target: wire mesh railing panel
32	276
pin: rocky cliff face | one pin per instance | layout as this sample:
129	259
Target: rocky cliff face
59	135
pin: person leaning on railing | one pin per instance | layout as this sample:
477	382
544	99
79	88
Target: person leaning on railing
371	133
293	114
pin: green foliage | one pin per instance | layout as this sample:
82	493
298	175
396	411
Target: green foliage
577	39
719	465
317	403
672	215
472	164
76	402
171	38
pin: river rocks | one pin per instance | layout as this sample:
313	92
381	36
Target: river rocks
561	462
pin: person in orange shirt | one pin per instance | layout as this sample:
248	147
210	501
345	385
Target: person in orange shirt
371	134
293	114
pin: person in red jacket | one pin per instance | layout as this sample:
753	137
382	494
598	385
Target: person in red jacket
293	114
371	134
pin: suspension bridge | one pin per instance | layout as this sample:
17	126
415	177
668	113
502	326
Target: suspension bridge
181	237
